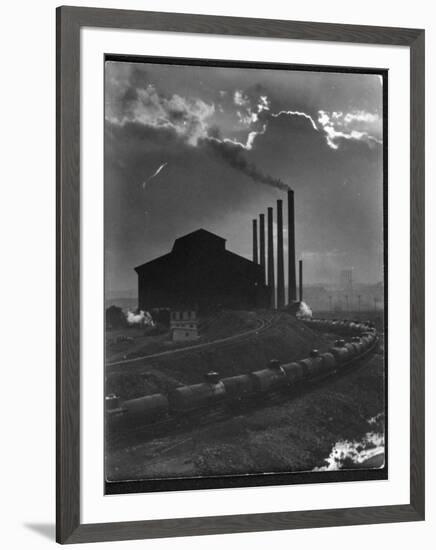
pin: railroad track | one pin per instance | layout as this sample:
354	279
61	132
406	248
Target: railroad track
185	424
222	343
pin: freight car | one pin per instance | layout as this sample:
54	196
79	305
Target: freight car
215	392
294	373
329	362
312	365
239	388
270	379
148	408
340	353
198	396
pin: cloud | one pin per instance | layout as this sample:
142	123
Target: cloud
248	118
240	99
296	113
360	116
209	183
249	110
355	125
249	142
187	117
240	117
232	126
263	104
232	153
190	120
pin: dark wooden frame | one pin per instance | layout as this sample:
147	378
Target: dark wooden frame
70	20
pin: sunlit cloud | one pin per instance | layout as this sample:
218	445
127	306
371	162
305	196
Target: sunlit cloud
356	125
263	104
235	113
248	145
240	99
187	117
296	113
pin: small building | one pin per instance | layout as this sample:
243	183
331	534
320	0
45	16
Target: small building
183	325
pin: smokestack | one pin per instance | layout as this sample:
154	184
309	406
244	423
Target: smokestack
262	243
255	260
300	265
271	258
280	267
292	282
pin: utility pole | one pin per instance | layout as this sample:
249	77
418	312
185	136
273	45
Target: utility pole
330	303
346	301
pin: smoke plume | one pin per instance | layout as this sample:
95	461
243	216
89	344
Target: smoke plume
304	313
232	153
142	318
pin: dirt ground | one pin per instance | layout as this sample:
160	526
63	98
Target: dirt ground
295	434
282	337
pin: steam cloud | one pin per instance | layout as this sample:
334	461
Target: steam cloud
304	312
232	154
141	318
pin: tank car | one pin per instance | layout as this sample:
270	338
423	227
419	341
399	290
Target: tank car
143	410
198	396
238	387
270	379
329	363
312	365
352	350
340	353
294	373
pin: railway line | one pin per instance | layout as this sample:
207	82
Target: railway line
184	429
214	400
264	323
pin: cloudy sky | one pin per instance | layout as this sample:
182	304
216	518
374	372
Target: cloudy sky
211	147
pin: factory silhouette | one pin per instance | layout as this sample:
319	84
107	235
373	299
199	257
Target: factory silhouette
200	273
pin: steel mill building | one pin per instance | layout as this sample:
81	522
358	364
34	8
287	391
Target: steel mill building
200	273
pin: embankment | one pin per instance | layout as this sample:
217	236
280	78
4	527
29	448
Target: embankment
281	337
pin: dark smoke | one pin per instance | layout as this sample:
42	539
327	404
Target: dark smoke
232	153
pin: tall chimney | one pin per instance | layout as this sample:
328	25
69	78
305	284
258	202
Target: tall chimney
300	265
280	267
262	243
292	282
255	260
271	258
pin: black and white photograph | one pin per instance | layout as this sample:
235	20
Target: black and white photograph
245	242
217	270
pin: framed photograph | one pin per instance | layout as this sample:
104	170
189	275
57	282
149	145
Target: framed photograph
240	291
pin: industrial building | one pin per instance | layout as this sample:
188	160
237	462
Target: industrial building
199	273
